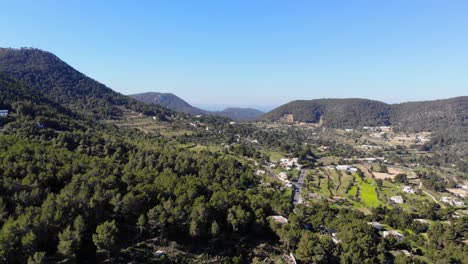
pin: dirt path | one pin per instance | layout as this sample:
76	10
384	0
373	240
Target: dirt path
433	198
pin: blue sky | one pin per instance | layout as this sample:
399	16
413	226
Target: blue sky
254	53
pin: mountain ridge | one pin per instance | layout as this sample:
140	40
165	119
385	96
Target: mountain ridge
354	112
44	71
175	103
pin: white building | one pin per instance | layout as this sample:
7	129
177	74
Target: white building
393	233
290	163
397	199
260	172
408	189
376	225
279	219
283	175
424	221
452	201
3	112
346	168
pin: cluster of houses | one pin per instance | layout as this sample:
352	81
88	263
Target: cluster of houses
386	234
408	189
288	164
382	128
452	201
369	147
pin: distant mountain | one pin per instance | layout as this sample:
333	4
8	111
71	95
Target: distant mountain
177	104
240	114
168	100
347	113
63	84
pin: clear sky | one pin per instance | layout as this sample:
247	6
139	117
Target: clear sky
254	52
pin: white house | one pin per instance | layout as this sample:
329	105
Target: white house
343	167
393	233
424	221
452	201
283	175
346	168
376	225
3	112
408	189
397	199
279	219
260	172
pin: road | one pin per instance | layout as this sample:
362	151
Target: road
297	186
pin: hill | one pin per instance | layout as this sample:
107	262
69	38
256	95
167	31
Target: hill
175	103
347	113
63	84
431	115
334	112
240	114
168	100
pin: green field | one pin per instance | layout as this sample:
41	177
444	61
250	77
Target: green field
275	155
353	191
366	192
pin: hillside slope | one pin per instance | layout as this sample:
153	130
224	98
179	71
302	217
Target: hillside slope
240	114
347	113
63	84
27	105
431	115
168	100
334	112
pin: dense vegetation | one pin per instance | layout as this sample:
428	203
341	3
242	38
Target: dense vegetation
55	196
352	113
343	113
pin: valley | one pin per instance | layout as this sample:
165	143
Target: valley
88	175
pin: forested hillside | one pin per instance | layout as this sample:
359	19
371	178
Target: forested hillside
169	101
241	114
352	113
334	112
26	105
62	84
431	115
